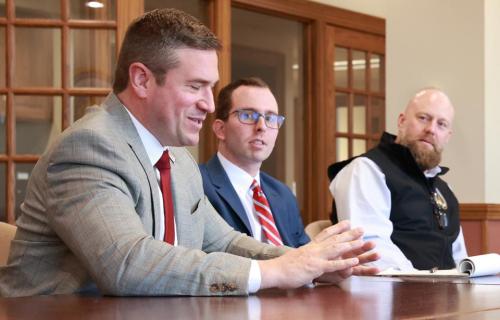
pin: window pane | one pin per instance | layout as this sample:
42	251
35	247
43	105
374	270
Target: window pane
3	123
46	9
378	116
196	8
342	145
376	73
93	57
272	48
358	147
38	57
2	57
22	174
3	191
341	68
359	115
78	105
2	8
38	121
359	69
342	102
92	10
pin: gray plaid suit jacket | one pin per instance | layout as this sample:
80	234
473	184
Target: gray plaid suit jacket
90	221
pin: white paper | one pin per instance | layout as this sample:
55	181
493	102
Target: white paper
482	265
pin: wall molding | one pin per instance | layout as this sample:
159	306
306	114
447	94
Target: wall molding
480	211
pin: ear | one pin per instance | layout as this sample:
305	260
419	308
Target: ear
218	127
401	120
140	78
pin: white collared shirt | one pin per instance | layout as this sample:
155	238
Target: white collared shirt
363	197
155	150
241	182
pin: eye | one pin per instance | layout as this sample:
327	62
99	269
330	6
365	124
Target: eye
271	117
195	86
245	115
443	124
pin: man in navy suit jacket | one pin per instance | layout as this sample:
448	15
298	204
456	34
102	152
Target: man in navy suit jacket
247	124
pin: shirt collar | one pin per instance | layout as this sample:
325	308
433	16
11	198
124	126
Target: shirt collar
431	173
240	179
153	147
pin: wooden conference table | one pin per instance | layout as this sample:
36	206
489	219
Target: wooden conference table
359	298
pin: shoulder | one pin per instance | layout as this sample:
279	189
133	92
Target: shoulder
275	184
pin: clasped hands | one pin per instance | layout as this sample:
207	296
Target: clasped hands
334	254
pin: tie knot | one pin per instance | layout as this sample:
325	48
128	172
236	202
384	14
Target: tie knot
255	186
164	162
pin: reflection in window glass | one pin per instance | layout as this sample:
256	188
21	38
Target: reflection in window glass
93	57
341	67
3	191
3	123
46	9
342	146
359	69
376	73
342	103
359	115
38	121
196	8
78	105
44	67
378	116
272	48
22	174
92	10
358	147
2	57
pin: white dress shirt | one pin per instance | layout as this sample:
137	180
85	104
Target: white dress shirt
155	150
241	182
362	196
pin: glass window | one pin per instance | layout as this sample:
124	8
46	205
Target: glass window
2	8
3	191
40	69
78	105
342	102
359	69
341	67
38	120
271	48
376	78
46	9
378	116
342	148
359	115
22	174
3	72
3	123
92	10
358	147
92	57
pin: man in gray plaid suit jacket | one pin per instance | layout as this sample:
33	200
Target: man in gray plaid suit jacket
92	219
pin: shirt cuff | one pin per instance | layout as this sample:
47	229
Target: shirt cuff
254	278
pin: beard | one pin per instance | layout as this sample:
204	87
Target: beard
425	159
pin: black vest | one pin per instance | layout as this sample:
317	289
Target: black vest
415	227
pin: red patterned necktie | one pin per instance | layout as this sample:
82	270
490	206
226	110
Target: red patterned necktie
265	215
166	189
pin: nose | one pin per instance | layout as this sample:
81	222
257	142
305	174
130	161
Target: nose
206	103
431	127
260	125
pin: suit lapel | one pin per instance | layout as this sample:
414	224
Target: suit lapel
129	132
225	189
278	208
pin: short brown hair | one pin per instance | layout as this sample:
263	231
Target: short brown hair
224	101
152	38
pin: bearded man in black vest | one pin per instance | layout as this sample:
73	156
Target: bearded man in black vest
395	191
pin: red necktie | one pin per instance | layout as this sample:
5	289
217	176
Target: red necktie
166	189
265	215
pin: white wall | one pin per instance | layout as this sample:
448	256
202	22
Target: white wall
442	43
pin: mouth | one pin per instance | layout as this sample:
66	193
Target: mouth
197	120
258	142
427	142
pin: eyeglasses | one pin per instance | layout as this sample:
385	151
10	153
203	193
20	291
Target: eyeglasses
272	120
440	207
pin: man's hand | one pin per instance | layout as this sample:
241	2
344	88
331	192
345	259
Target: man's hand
334	254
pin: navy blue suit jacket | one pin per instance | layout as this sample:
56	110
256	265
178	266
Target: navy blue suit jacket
224	198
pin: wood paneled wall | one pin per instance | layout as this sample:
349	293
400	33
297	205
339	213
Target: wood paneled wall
481	227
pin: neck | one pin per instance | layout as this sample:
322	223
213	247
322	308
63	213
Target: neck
251	168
